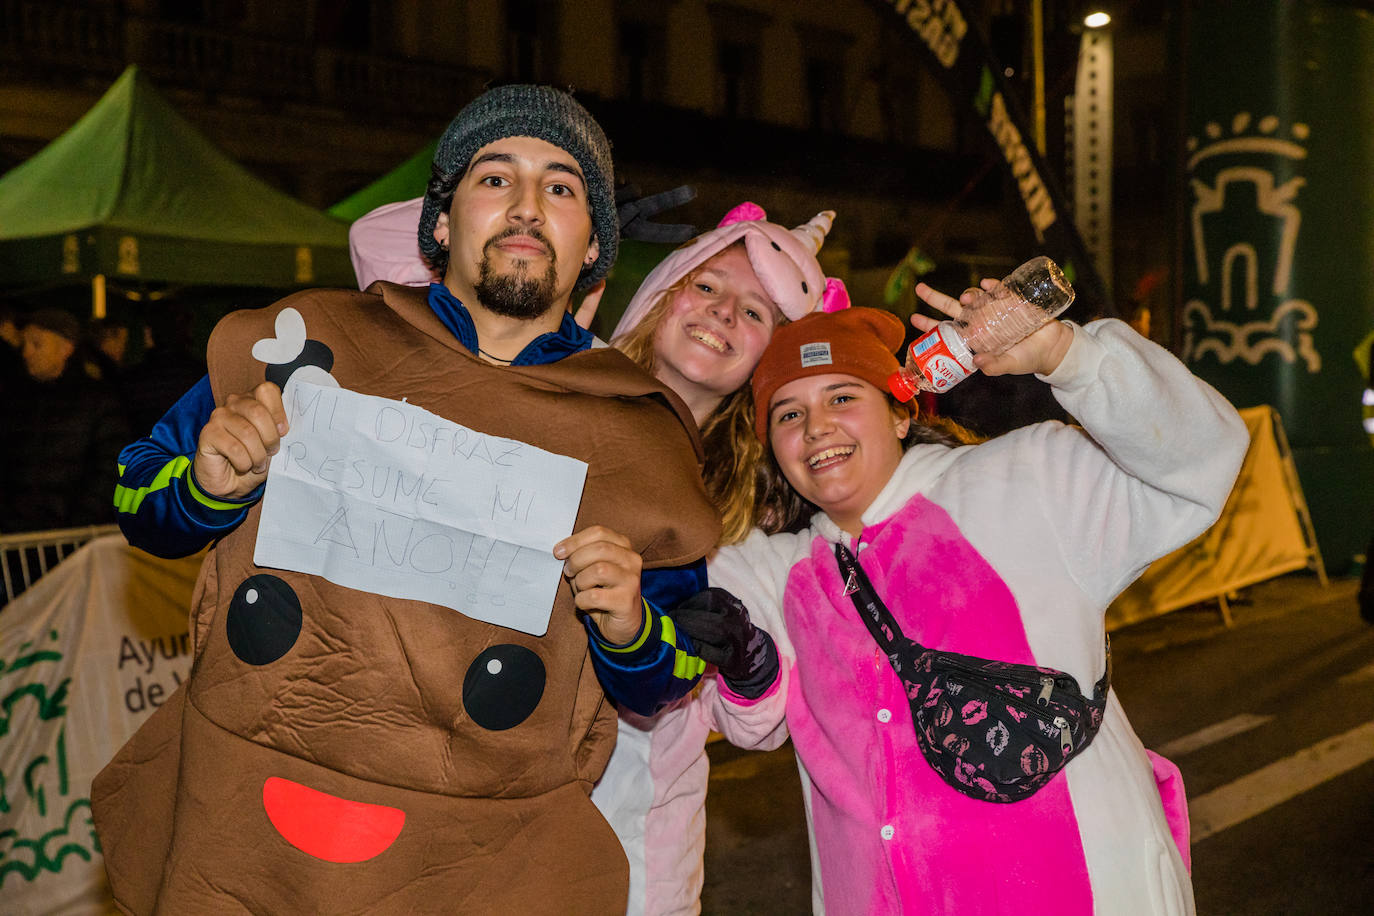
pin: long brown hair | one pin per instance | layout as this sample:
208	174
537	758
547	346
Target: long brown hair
734	454
781	507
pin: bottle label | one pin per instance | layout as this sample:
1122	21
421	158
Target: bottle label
934	358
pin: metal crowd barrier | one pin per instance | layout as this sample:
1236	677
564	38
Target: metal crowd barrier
28	555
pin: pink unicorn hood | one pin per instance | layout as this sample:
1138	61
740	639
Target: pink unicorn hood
383	246
784	260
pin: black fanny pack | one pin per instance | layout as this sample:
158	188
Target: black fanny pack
993	730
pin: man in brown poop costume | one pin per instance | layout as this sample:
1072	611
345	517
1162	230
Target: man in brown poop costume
339	751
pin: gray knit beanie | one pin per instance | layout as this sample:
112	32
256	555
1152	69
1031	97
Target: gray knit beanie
546	114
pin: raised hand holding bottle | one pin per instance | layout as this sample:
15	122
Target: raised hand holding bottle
996	319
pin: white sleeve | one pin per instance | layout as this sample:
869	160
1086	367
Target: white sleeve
755	725
755	571
1151	468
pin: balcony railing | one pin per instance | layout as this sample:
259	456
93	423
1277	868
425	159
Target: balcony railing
49	38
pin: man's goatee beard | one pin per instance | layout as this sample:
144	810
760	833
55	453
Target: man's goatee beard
516	294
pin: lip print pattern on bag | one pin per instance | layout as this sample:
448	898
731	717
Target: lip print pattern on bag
995	731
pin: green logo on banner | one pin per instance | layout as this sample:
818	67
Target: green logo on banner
44	780
1246	214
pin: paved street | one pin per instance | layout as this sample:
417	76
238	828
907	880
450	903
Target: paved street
1271	721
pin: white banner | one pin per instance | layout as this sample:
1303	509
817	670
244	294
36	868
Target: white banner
86	655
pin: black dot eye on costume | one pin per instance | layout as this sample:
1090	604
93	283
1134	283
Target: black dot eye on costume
503	686
264	620
314	353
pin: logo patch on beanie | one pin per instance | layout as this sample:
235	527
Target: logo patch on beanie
816	354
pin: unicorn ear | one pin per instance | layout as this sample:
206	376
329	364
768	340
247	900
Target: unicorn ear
814	231
747	211
836	296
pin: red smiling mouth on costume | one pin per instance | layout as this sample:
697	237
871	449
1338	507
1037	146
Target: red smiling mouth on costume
326	826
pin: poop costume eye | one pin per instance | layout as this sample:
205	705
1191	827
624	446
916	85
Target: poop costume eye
503	686
313	353
264	620
290	350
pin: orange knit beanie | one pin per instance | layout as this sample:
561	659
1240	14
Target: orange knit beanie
855	341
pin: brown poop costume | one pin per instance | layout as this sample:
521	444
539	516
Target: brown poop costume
337	751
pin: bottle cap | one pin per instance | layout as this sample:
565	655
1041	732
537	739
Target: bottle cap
901	389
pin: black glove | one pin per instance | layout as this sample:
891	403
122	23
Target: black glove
723	635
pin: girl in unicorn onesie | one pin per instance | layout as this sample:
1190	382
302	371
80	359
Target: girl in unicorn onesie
699	322
1009	550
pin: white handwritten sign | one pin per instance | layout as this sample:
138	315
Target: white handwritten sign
386	497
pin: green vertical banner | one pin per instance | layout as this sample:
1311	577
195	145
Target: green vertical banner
1279	257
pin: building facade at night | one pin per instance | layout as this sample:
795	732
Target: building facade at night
798	106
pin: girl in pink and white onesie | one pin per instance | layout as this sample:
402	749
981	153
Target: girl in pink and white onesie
1010	550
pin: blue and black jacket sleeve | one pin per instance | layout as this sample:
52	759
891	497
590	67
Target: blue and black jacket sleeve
159	507
660	665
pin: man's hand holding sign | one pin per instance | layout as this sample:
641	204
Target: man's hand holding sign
235	445
605	573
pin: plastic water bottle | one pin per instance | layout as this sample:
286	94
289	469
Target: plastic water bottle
1027	299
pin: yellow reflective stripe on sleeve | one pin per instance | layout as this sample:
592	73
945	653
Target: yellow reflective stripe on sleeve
685	666
643	634
204	500
127	499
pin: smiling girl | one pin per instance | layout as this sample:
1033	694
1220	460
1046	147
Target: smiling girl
700	322
1008	550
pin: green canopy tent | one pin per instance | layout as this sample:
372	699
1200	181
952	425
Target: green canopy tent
409	179
134	192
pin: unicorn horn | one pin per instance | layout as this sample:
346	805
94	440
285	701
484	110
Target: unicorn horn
813	233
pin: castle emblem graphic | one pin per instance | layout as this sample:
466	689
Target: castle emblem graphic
1245	221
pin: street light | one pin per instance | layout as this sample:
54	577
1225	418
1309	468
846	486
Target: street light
1092	141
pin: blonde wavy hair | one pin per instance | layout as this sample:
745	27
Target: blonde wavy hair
734	467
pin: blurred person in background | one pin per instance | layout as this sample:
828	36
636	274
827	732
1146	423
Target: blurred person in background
63	431
109	348
168	369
